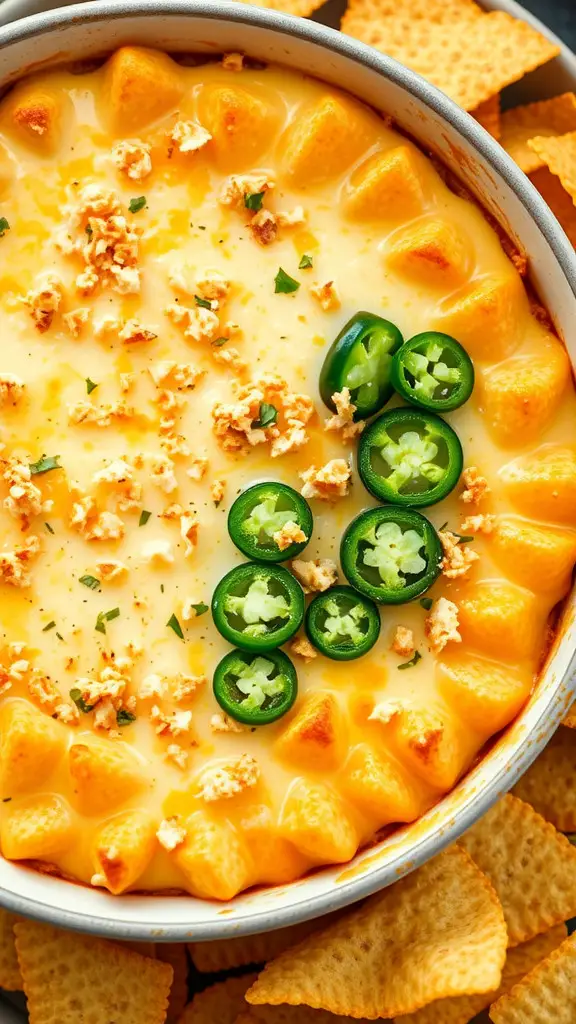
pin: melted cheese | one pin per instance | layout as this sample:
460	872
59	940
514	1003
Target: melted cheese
379	223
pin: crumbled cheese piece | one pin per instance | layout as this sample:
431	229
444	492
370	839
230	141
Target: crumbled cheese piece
167	373
24	500
94	525
171	833
189	525
105	718
176	753
223	723
186	686
198	469
44	300
157	552
289	534
173	724
441	625
217	491
478	524
233	62
316	575
162	472
189	136
343	419
227	780
134	333
327	295
327	483
109	686
291	218
302	646
132	156
231	358
264	226
99	232
11	389
152	685
213	286
116	472
173	511
76	320
107	325
388	709
199	324
476	486
99	415
67	713
234	422
403	642
239	185
110	570
457	557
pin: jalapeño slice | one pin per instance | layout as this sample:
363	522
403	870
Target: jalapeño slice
258	607
409	457
391	554
255	689
263	518
342	624
433	371
360	359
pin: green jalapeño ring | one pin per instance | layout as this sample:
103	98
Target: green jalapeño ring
342	624
258	607
433	371
360	359
267	522
255	689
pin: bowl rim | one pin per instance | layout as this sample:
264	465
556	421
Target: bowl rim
370	880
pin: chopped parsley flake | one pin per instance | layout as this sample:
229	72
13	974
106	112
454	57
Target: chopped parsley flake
202	302
413	661
253	201
268	416
48	527
200	608
218	342
175	625
305	262
45	464
124	717
4	226
79	701
136	204
90	581
426	602
104	617
49	626
284	283
59	635
90	386
144	517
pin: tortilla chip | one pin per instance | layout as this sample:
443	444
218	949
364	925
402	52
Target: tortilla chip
548	117
223	954
549	783
293	1015
174	953
488	115
519	961
564	210
531	866
219	1004
438	932
547	995
470	65
558	152
69	977
10	977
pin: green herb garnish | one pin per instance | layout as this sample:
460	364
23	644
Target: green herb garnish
144	517
104	617
49	626
175	625
426	603
124	717
218	342
45	464
90	386
200	608
413	661
90	581
4	226
253	201
305	262
48	527
284	283
268	416
202	302
137	204
79	701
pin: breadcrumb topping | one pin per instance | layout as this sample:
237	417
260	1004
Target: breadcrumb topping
458	558
223	723
189	136
343	419
98	232
327	295
237	186
237	425
171	833
441	625
476	486
24	499
403	641
223	781
478	524
303	648
15	565
76	320
328	482
132	157
44	300
11	389
289	534
316	575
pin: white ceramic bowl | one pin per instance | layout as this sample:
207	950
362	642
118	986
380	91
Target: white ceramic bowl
438	125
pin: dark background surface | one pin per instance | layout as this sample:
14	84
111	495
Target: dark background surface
559	15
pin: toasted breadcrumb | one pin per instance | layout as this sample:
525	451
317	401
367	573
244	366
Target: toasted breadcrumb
223	723
110	570
212	285
152	686
186	687
227	780
476	486
478	524
233	61
234	422
316	575
11	389
290	533
76	320
174	724
99	415
264	227
132	157
44	300
237	186
198	324
171	833
189	525
15	564
291	218
198	468
134	333
303	648
189	136
24	499
327	295
441	625
177	754
458	558
403	642
217	491
343	419
327	483
157	552
98	231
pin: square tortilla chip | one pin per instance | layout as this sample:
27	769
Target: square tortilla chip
438	932
531	866
558	152
10	977
548	117
547	995
549	782
219	1004
471	64
564	210
223	954
488	115
69	978
174	953
519	961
